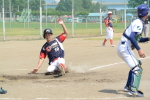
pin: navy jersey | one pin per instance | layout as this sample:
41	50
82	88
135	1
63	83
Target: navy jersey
53	49
106	21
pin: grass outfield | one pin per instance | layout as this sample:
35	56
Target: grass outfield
18	29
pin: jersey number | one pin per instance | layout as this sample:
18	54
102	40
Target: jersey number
56	49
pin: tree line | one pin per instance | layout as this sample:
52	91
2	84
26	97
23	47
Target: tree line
64	6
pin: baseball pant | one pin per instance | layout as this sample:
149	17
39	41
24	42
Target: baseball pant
146	30
109	33
126	54
55	63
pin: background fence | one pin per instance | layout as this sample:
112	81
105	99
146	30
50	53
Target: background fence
24	23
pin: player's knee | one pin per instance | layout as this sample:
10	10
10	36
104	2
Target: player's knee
136	69
51	68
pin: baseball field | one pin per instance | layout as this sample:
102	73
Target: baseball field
95	72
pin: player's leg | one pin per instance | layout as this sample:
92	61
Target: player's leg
61	66
52	67
146	30
111	37
107	36
134	76
129	58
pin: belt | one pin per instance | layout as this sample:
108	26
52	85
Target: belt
55	59
123	42
126	36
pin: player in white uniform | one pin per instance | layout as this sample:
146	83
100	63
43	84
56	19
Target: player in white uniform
131	37
109	29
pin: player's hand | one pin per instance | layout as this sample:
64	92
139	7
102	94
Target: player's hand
60	21
141	53
108	28
34	70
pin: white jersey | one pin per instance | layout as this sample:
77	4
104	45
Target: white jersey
135	26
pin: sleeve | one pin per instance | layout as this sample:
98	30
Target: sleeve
137	27
61	38
42	53
106	22
143	39
133	40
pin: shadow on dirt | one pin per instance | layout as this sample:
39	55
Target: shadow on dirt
114	92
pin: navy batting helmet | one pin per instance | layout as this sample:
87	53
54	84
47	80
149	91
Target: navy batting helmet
142	10
47	31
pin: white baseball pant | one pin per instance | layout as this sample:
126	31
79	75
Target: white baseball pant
55	63
109	33
125	53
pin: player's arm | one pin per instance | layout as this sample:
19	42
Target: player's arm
135	44
144	39
41	60
106	22
60	21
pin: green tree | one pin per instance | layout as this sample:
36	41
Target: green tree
61	6
96	7
35	4
66	5
19	5
87	4
78	6
135	3
51	9
15	5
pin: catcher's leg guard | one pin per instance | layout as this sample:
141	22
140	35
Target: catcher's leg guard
136	73
134	77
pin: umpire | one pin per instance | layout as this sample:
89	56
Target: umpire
146	26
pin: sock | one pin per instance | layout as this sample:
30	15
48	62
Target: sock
111	41
104	41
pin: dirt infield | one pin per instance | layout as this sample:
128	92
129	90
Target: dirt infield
95	72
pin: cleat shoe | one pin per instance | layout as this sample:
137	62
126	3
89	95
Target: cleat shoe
61	69
135	93
126	89
112	45
103	45
49	73
2	91
56	72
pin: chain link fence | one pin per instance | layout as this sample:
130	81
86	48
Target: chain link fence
25	25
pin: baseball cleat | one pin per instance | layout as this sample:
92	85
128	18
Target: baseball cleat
2	91
135	93
103	45
49	73
61	70
112	45
126	89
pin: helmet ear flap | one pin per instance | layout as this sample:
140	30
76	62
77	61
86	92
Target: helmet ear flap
44	35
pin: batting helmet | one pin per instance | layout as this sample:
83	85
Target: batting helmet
142	10
47	31
109	12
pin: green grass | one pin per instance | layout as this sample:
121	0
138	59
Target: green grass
18	29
